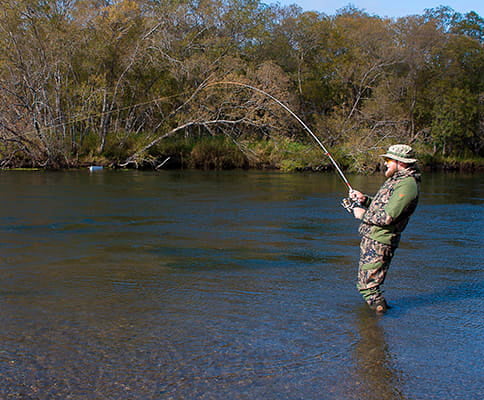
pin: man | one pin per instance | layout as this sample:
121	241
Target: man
382	222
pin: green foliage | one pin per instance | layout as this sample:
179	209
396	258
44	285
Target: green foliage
88	144
454	117
121	145
217	153
287	154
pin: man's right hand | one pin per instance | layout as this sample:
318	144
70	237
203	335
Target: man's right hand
357	196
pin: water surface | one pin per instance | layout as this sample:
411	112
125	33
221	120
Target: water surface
232	285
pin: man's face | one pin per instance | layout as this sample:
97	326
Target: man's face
392	167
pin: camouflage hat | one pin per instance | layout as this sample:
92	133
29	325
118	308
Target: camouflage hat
401	152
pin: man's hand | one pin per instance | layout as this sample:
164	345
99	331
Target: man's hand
357	196
358	212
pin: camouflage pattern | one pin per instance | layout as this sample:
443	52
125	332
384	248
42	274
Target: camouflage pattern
400	152
375	260
377	223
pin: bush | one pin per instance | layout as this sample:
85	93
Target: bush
217	153
288	155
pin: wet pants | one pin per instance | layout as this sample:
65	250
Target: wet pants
375	258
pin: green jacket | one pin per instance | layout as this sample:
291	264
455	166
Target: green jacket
390	209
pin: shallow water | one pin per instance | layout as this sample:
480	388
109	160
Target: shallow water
233	285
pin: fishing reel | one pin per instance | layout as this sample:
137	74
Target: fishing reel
348	204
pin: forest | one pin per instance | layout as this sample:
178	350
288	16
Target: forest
192	83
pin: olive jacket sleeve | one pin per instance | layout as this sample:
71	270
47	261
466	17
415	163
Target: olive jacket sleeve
404	193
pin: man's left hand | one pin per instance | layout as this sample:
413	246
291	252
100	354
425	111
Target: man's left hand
358	212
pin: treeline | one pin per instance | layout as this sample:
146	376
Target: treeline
192	82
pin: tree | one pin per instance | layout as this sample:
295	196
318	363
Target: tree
454	121
104	79
35	39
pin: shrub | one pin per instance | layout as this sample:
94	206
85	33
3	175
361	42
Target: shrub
217	153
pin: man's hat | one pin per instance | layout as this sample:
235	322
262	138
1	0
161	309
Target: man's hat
401	152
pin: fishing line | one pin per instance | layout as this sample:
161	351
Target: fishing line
326	152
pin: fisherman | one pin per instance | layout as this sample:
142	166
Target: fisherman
383	219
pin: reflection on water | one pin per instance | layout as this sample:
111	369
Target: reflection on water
240	285
376	374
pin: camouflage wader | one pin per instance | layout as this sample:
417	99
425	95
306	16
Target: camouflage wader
374	262
383	222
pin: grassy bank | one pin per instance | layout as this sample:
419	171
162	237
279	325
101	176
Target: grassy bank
223	153
283	154
218	153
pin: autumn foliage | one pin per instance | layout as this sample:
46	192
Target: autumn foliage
109	81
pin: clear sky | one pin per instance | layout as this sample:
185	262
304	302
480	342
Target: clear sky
386	8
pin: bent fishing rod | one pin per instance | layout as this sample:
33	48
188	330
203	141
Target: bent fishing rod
326	152
277	101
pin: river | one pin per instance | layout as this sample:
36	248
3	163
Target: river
232	285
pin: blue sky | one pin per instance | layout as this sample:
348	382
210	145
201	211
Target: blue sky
386	8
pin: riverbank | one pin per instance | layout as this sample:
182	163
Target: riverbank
221	153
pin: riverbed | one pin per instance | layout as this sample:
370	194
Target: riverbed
232	285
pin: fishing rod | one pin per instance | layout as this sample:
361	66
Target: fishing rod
285	107
326	152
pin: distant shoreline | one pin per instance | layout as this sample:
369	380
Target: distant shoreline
464	166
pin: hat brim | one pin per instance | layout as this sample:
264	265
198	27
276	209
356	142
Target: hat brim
398	158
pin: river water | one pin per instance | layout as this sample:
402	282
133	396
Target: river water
232	285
